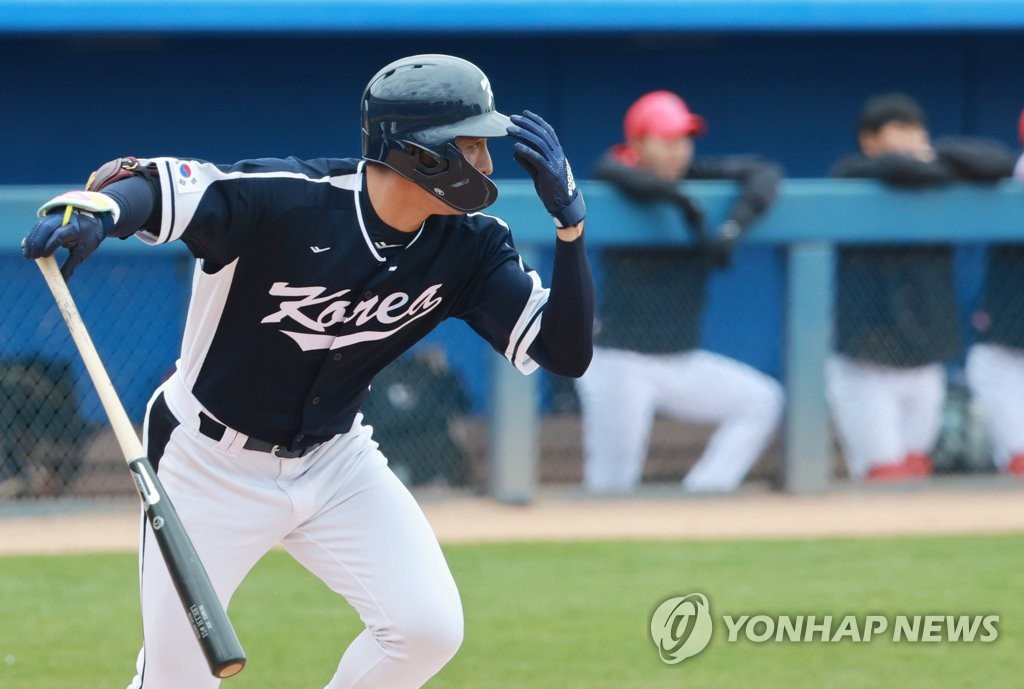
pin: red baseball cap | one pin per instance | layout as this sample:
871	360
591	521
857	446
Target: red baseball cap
664	114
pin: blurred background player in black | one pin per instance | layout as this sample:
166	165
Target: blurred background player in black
416	405
42	432
647	356
896	311
995	364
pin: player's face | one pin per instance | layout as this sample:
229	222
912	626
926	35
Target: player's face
475	151
666	157
900	138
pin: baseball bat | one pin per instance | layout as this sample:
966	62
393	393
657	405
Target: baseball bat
207	616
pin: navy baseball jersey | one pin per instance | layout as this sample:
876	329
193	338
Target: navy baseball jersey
302	294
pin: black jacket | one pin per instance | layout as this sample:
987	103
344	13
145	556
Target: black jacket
652	298
1002	297
895	304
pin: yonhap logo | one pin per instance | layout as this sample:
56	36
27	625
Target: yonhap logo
681	627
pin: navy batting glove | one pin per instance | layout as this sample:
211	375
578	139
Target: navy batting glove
80	237
537	150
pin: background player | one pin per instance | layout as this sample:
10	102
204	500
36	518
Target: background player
896	309
313	276
995	364
648	359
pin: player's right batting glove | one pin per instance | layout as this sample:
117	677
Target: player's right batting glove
537	150
91	221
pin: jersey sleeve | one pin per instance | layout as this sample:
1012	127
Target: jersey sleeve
214	209
758	180
506	303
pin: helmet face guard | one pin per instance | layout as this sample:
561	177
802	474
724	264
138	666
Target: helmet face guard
412	112
451	178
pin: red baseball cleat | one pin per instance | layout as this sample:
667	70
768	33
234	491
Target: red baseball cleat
1016	465
889	472
919	464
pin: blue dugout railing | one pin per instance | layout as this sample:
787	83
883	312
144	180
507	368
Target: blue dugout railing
808	220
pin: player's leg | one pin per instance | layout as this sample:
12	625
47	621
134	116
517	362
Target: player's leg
230	508
746	405
995	375
922	399
863	399
617	401
368	540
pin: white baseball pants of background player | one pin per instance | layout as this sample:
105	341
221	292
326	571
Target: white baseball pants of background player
623	391
340	512
883	413
995	375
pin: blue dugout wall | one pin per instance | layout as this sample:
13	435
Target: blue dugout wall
224	80
72	101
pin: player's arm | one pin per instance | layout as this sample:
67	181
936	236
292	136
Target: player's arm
79	220
895	169
758	181
644	185
637	182
564	342
975	159
527	323
214	210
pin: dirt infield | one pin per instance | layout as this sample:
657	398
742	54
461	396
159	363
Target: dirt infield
753	514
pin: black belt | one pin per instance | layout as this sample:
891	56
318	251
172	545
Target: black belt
215	431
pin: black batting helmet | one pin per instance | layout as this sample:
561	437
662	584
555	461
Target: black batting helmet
413	110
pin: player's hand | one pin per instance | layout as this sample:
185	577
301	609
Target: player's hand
81	235
720	247
537	150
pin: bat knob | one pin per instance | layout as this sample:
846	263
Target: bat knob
230	669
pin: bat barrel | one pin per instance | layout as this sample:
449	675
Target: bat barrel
205	612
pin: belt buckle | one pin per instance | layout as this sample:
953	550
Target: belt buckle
274	450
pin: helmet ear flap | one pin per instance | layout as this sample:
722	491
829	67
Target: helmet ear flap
454	180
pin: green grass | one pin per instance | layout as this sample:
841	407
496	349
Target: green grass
547	616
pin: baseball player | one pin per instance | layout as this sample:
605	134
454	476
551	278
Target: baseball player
895	309
647	359
313	275
995	364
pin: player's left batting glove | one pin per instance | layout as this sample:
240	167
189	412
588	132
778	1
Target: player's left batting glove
91	221
537	150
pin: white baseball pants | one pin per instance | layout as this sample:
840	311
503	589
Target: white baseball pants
340	512
622	391
995	375
883	413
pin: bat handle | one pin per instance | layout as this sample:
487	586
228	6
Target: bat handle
127	438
